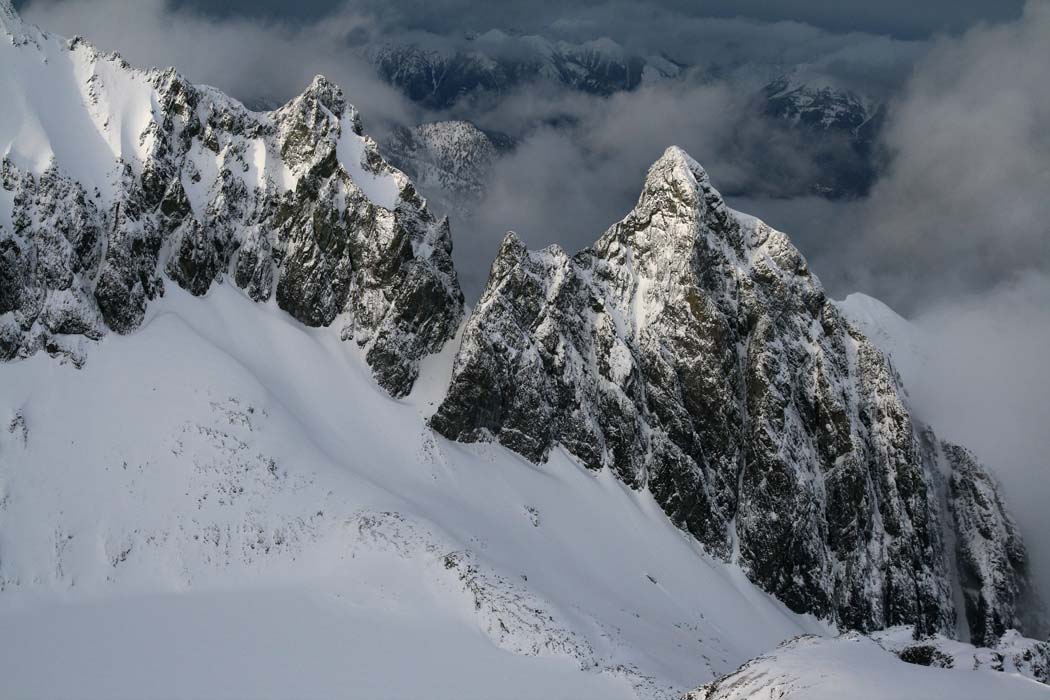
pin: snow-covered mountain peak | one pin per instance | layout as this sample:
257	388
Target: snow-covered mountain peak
810	98
679	214
116	180
448	160
691	352
321	94
678	186
676	166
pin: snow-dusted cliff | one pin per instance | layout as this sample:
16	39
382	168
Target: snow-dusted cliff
114	179
692	352
857	667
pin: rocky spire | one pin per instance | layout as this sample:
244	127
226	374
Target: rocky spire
691	351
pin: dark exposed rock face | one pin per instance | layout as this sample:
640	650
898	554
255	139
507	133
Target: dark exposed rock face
991	557
691	351
294	204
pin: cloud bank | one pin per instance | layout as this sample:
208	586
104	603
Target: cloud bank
987	387
903	18
958	231
964	205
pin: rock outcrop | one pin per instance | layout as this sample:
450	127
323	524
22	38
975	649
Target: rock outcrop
991	558
1009	653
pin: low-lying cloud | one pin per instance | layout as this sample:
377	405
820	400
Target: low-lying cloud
958	232
964	205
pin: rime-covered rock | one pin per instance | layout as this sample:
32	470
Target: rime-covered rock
855	666
692	352
118	179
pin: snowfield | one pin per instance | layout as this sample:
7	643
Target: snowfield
224	503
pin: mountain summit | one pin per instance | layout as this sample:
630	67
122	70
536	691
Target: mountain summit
692	352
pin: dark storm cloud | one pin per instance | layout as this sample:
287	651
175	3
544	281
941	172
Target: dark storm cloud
868	45
902	18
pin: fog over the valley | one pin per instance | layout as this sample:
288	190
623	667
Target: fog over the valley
955	233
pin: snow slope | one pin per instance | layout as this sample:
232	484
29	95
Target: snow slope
226	474
905	343
856	667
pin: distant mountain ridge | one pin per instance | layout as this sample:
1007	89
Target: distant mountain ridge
448	161
495	62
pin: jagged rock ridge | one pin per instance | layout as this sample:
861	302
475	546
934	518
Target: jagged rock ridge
164	178
691	351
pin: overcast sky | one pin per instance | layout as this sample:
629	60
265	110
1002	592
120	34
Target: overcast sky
900	18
